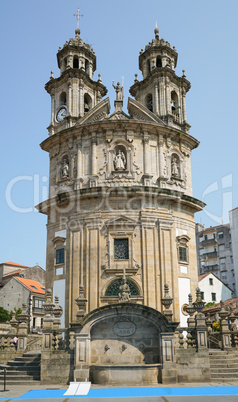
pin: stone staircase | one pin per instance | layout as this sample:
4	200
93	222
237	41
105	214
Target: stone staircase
22	370
223	365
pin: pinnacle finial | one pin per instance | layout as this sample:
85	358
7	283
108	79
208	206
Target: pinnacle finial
156	31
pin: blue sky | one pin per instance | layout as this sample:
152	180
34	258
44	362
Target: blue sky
205	35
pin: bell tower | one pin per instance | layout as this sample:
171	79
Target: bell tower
161	90
75	92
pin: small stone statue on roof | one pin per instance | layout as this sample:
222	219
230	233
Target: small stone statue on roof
119	91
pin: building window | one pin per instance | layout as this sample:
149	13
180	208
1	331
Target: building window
121	249
182	246
213	296
87	103
183	254
60	256
174	102
202	295
220	235
158	62
76	62
205	237
210	281
34	322
38	303
149	102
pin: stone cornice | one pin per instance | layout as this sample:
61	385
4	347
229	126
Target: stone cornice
136	126
72	73
161	194
157	73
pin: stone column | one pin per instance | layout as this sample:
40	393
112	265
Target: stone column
166	257
168	99
184	105
81	99
94	156
162	96
79	161
156	99
225	331
23	328
146	156
161	156
48	321
52	108
90	73
200	320
70	99
82	357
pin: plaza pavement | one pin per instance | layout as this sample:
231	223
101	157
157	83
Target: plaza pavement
19	393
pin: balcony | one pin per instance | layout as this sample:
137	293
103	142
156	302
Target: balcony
208	242
37	310
208	268
210	254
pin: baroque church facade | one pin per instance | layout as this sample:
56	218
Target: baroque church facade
120	207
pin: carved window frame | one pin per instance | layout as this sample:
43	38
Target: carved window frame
59	244
120	229
183	242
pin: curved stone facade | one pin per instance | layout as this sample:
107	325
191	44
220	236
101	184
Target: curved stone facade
120	196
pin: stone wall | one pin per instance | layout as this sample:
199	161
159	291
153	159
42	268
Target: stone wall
193	366
140	348
35	273
7	355
56	367
13	294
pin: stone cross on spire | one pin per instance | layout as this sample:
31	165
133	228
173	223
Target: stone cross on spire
78	15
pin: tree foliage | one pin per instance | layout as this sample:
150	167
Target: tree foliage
210	304
4	315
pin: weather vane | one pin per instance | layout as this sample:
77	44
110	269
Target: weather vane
78	15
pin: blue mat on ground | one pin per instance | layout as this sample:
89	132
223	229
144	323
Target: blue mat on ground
134	392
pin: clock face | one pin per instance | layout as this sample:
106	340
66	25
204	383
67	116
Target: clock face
61	114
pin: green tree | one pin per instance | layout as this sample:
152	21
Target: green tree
17	312
4	315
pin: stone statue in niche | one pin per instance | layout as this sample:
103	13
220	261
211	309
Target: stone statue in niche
120	161
124	291
65	169
174	167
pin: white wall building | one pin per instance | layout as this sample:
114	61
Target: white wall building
233	217
213	289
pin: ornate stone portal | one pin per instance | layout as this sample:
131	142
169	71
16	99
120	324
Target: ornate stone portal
120	202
